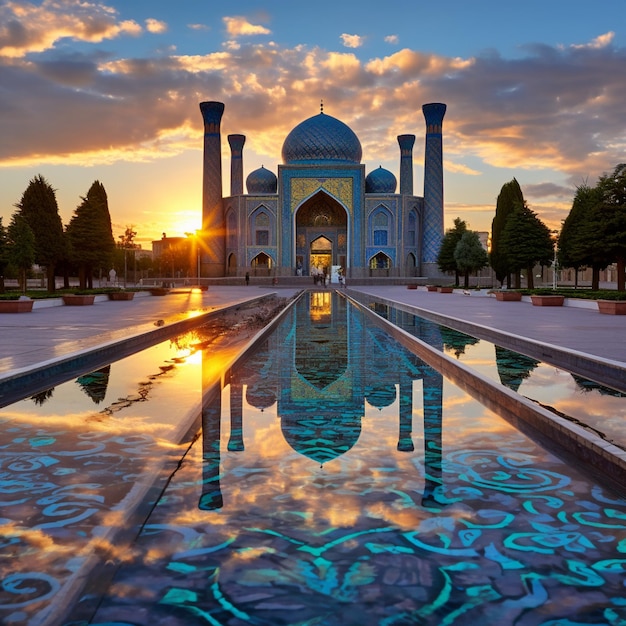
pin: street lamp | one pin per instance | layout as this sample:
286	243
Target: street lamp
555	239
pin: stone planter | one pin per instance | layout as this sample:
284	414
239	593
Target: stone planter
612	307
121	295
159	291
431	288
78	300
508	296
411	286
16	306
445	289
547	300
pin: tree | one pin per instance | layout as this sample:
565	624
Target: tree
469	254
526	242
21	247
4	254
39	208
579	241
445	259
127	243
90	235
509	198
612	213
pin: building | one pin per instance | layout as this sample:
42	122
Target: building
321	212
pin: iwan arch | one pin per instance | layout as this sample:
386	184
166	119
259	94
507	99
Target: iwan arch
321	211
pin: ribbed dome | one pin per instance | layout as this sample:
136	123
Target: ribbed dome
322	138
380	181
261	182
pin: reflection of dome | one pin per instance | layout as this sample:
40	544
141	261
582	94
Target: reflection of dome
260	396
382	396
380	181
321	438
261	182
322	138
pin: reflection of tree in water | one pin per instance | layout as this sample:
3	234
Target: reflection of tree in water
513	368
588	385
456	341
95	383
43	396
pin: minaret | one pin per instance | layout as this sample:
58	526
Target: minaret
406	164
236	163
433	184
212	257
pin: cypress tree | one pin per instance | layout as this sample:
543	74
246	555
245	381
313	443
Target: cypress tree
509	197
39	208
90	235
526	242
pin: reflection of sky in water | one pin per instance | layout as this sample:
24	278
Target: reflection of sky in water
437	511
603	410
557	388
476	524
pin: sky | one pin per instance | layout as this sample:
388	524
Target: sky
109	91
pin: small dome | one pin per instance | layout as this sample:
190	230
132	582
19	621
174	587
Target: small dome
380	181
322	138
261	182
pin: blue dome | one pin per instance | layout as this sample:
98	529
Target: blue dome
261	182
322	138
380	181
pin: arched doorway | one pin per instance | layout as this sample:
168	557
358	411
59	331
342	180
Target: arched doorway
321	234
261	264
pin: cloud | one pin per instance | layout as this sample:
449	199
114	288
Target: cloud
27	28
392	39
238	26
198	27
598	43
155	26
351	41
551	109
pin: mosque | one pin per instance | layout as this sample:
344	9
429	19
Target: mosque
321	213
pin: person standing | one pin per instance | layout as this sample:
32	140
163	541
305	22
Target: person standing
247	278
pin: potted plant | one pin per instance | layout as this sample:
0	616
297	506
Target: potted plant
445	289
16	304
610	305
431	287
121	295
544	300
79	298
504	295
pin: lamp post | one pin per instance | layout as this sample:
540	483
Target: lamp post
555	239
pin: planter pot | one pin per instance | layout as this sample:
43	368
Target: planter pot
16	306
411	286
445	289
547	300
76	300
612	307
121	295
431	288
159	291
508	296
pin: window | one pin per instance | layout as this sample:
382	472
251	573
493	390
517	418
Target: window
262	237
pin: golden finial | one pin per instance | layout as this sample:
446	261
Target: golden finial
321	106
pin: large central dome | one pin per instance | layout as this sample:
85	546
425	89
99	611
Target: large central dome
321	138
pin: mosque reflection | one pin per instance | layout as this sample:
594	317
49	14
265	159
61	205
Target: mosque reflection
319	367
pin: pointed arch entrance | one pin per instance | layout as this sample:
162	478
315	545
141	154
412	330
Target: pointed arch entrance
321	225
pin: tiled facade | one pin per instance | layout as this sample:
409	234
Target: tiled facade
320	212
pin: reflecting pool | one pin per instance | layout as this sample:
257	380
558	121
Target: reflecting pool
340	480
596	407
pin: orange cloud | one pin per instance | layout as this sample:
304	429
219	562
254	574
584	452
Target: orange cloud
238	26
